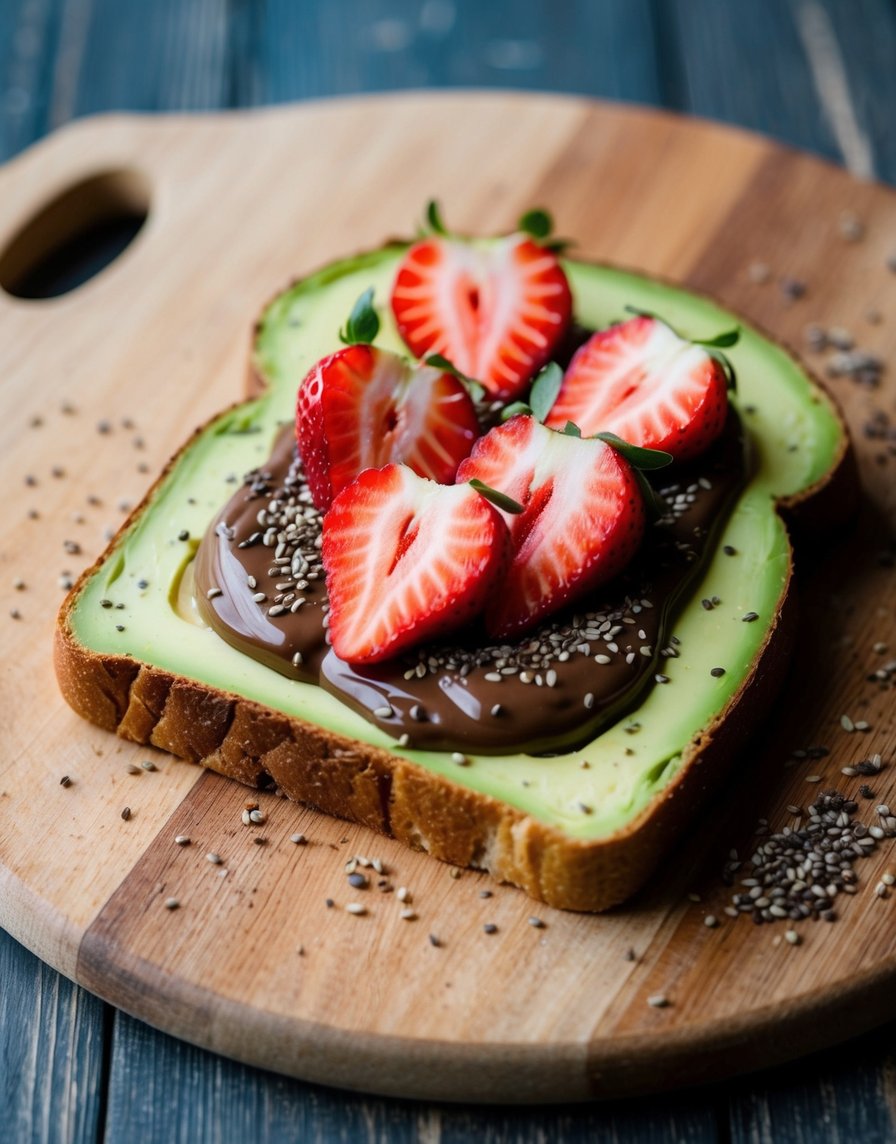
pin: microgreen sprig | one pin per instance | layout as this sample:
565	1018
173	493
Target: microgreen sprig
363	323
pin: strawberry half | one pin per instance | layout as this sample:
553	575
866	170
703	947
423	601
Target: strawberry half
496	311
643	382
362	407
406	559
583	518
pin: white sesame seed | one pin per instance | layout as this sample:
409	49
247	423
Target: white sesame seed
459	759
658	1001
214	858
793	937
182	840
355	908
384	712
407	914
403	894
245	817
710	921
298	839
172	904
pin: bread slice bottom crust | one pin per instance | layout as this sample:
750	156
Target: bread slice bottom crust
266	749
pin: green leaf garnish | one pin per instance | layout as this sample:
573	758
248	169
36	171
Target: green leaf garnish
536	223
653	502
434	224
363	324
514	408
639	459
571	429
559	245
475	388
545	389
723	341
499	500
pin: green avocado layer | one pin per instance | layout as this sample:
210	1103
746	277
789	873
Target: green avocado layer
797	437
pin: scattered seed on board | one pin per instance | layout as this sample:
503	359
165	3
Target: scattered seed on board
214	858
183	840
407	914
403	894
172	904
133	769
435	941
710	921
298	839
126	813
355	908
658	1001
489	927
65	781
247	821
793	937
536	923
148	765
257	818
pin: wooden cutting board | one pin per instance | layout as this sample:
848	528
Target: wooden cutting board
253	964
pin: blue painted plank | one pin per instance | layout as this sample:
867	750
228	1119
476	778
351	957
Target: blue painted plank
51	1049
166	55
26	33
776	67
344	46
842	1096
166	1091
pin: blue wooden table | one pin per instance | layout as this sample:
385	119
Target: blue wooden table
819	74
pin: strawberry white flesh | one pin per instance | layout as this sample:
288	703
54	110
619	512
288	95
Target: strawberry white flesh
495	311
643	382
363	407
406	559
583	518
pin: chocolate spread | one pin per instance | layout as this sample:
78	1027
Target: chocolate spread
260	585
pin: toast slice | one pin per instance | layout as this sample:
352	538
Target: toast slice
579	830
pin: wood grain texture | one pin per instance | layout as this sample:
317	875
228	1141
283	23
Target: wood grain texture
51	1079
224	969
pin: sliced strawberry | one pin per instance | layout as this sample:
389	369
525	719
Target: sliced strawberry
582	520
406	559
496	311
362	407
643	382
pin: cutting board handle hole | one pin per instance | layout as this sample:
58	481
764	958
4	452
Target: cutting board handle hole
77	234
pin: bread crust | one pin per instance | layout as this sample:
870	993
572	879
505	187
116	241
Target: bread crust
348	779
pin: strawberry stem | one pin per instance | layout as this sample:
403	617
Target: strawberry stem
498	499
514	409
639	458
363	323
544	390
475	388
536	223
433	223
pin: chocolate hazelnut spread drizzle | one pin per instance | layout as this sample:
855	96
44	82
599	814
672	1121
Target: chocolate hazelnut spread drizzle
260	585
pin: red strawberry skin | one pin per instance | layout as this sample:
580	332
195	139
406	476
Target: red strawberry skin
406	560
582	521
363	407
496	312
649	386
